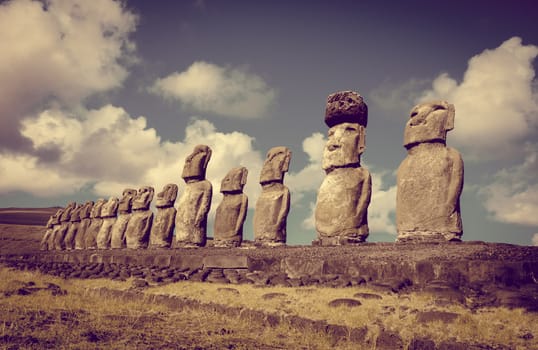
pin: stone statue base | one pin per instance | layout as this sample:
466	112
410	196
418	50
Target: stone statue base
227	242
138	229
339	240
163	228
427	237
117	239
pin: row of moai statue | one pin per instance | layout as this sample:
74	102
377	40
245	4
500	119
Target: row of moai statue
429	185
129	223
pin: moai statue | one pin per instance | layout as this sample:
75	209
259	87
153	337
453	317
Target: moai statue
430	178
232	211
165	220
117	240
139	225
51	224
341	213
273	205
108	214
95	225
74	225
195	202
85	220
59	235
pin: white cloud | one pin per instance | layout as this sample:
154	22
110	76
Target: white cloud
382	205
206	87
535	239
58	51
512	197
496	103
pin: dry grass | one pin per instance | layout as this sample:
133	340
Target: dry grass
393	312
83	321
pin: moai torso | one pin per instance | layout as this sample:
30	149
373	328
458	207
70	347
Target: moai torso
108	214
85	213
47	242
273	205
139	225
74	224
95	225
341	212
164	222
430	178
232	211
195	202
117	240
59	235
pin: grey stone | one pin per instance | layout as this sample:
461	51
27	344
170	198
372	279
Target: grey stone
61	232
85	220
74	225
139	225
232	211
95	225
195	202
165	220
117	239
341	212
273	205
108	213
47	242
430	178
432	316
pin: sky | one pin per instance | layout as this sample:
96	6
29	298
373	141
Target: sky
97	96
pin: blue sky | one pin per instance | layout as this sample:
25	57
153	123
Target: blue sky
102	95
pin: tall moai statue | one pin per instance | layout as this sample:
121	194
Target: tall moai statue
232	211
74	225
163	225
430	178
47	240
95	225
117	240
273	205
195	202
341	213
85	220
108	214
59	235
139	225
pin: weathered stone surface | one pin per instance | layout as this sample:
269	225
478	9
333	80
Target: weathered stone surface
47	242
273	205
296	267
117	240
139	225
432	316
108	213
74	224
95	225
388	341
165	220
232	211
84	214
430	178
59	235
226	261
195	202
341	212
344	302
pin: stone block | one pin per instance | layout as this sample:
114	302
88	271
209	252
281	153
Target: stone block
298	267
226	262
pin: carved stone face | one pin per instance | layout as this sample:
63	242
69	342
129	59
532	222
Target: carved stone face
345	144
234	181
196	163
276	165
167	196
97	207
86	210
110	207
126	200
143	198
56	217
429	122
66	214
75	214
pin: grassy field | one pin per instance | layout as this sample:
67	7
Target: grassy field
36	314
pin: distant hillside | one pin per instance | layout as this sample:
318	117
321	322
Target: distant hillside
26	216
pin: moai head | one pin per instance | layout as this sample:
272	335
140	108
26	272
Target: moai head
234	181
196	163
110	208
276	164
167	196
55	219
429	122
85	213
97	208
66	214
126	200
75	214
143	198
346	115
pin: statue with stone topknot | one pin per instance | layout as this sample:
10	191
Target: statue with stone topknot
341	213
430	178
195	202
